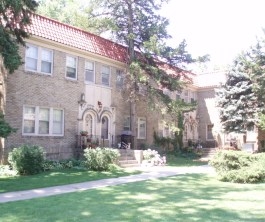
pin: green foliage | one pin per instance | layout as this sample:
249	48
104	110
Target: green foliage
239	167
15	15
237	101
6	171
27	160
5	128
150	154
9	51
99	159
63	164
242	99
78	13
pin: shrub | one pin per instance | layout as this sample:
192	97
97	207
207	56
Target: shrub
27	160
239	167
99	159
153	157
63	164
5	171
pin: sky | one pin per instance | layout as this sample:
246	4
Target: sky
221	28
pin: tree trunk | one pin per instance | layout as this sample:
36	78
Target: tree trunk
133	75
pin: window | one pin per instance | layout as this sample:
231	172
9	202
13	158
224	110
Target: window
57	122
186	96
42	121
120	79
29	120
209	132
38	59
44	117
89	124
164	129
192	96
141	128
127	124
105	127
105	75
71	67
89	72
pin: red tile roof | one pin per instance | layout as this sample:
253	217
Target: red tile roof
71	36
68	35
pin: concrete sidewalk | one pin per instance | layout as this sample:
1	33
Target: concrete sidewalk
148	173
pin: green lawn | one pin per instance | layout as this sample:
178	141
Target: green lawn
193	197
57	177
184	161
61	177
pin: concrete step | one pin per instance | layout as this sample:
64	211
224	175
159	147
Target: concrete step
126	158
128	163
207	153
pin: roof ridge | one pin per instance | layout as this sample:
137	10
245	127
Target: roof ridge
77	28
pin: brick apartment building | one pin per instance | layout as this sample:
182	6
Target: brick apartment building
72	80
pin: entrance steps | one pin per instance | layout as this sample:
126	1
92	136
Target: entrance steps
127	158
207	153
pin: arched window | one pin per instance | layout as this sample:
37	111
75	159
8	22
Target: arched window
104	127
89	124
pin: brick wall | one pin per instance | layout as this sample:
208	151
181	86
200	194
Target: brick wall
208	114
30	88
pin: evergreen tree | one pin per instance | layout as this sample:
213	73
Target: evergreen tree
236	99
254	66
152	65
14	17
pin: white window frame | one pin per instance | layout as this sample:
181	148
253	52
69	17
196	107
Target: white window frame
102	73
39	59
140	121
119	79
193	96
186	96
76	65
207	130
127	123
93	71
37	120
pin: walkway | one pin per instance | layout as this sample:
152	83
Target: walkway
148	174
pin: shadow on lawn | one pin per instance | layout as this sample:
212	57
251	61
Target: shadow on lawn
193	197
57	177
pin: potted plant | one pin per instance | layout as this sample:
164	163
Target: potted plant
83	133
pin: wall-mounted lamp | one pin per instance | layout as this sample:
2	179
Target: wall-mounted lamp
82	100
99	105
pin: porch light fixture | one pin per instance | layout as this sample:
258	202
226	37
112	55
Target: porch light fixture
99	105
82	100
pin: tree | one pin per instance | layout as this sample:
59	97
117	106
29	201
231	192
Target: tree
237	100
5	128
138	25
74	12
254	66
242	98
14	17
